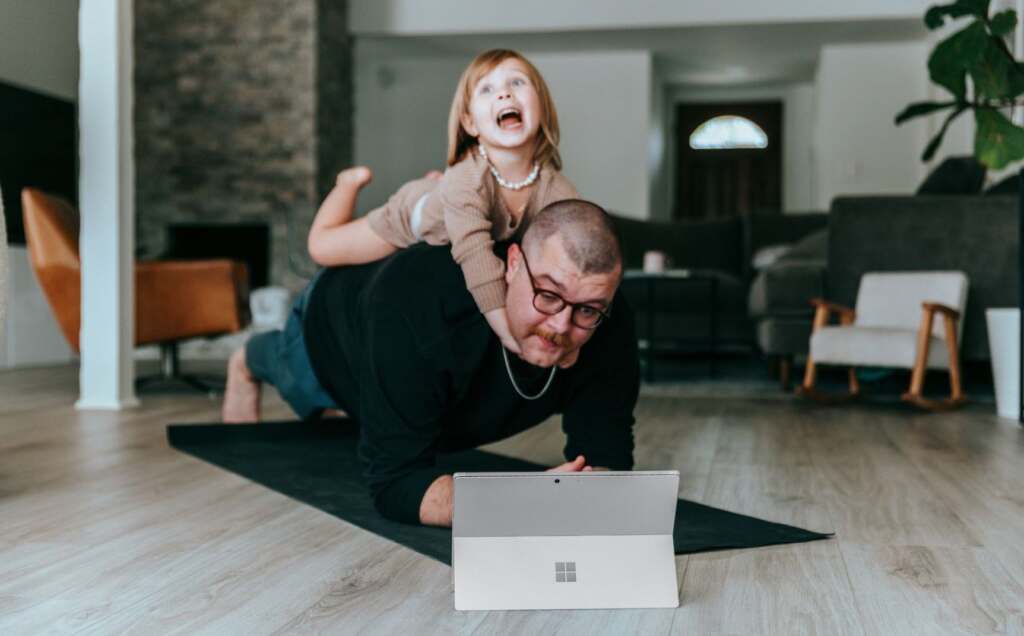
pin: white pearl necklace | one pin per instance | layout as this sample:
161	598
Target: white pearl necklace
530	178
516	386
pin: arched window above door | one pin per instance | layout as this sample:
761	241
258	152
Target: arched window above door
727	132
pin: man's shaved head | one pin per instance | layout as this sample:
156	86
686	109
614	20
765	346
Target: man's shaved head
586	232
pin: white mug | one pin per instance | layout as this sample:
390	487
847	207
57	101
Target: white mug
654	262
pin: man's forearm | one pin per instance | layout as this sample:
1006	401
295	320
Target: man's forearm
436	507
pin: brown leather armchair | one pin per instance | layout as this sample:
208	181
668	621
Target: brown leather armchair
174	300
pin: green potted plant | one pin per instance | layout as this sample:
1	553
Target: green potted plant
978	70
978	51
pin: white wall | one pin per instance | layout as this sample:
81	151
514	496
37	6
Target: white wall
400	118
603	101
30	336
416	17
798	169
659	141
860	89
39	45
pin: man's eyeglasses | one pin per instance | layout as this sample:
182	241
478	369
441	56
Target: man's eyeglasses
548	302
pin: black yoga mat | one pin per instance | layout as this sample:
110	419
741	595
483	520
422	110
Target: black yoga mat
315	462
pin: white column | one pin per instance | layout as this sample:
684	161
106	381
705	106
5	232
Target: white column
107	201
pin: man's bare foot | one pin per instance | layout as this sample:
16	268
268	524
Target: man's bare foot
436	175
242	393
355	177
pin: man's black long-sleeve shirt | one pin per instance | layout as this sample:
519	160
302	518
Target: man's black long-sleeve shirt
401	347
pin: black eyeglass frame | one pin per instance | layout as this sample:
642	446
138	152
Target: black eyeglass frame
537	291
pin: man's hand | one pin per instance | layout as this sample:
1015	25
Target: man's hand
577	465
436	507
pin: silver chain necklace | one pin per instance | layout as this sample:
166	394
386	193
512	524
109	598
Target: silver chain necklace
530	178
515	386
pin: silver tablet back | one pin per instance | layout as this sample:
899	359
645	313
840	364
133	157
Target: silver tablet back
564	540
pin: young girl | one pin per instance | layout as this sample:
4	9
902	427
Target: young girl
503	167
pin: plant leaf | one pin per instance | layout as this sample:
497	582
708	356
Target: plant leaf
936	16
997	142
1016	84
949	62
917	109
1003	22
992	74
933	145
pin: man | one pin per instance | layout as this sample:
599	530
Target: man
400	346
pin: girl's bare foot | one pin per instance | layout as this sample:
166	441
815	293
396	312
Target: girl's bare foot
355	177
242	393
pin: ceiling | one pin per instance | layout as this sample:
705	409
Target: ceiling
696	55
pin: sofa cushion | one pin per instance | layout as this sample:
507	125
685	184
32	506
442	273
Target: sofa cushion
813	247
874	347
783	336
955	175
786	289
768	256
763	230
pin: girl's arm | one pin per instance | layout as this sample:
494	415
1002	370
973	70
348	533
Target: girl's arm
469	224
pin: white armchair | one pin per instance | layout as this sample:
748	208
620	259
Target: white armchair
894	326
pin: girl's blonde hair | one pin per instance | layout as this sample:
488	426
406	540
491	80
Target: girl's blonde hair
459	141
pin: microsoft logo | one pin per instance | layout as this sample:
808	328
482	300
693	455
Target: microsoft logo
565	572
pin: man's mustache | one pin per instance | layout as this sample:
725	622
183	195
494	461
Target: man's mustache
559	339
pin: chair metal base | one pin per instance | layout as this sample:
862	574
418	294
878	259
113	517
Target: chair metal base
170	375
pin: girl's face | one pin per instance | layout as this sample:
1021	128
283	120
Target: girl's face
504	111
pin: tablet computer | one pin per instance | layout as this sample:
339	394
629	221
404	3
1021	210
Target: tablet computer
600	539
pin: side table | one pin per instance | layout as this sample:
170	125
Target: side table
654	286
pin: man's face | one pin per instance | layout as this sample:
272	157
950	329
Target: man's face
546	340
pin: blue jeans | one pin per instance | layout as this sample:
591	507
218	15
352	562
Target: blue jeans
279	358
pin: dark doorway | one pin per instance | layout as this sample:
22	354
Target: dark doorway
724	183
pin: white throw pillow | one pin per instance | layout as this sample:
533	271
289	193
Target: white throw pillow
766	256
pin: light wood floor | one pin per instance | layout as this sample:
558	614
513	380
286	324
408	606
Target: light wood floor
105	529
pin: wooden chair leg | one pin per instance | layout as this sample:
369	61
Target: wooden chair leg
924	333
956	395
786	372
914	395
810	371
810	375
807	389
853	382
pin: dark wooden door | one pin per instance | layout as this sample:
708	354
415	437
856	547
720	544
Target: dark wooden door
713	183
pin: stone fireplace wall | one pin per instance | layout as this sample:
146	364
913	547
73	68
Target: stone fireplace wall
242	115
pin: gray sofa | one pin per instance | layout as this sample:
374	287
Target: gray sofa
975	234
779	300
720	248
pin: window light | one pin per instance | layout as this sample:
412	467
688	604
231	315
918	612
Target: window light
726	132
